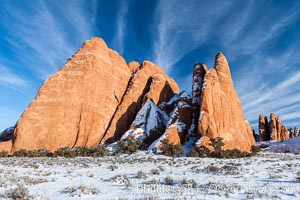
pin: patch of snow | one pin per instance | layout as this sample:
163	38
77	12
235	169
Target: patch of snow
291	146
201	115
137	133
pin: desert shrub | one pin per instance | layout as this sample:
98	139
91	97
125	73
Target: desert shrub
81	151
255	149
3	154
98	151
218	152
213	169
169	180
20	153
44	153
18	193
201	152
140	175
155	171
65	152
193	153
170	149
32	153
263	146
217	144
298	177
128	145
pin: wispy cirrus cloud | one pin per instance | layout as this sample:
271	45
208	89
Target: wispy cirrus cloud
39	36
247	32
181	29
121	20
11	80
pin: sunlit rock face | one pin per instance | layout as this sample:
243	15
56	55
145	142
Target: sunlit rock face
272	130
95	96
221	112
74	106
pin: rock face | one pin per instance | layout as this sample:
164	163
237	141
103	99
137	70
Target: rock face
263	128
150	82
7	134
198	80
273	127
6	146
93	97
149	123
221	112
179	112
294	132
272	130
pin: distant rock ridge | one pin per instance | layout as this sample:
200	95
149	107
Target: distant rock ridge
97	98
274	129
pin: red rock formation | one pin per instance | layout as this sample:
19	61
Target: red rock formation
149	124
7	134
180	121
150	82
74	106
284	134
277	131
294	132
96	97
198	80
263	128
6	146
221	112
273	127
134	66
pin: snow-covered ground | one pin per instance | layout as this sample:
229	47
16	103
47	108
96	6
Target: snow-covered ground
289	146
146	176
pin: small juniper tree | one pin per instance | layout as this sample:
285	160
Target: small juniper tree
170	149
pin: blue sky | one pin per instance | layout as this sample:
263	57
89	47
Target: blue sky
259	38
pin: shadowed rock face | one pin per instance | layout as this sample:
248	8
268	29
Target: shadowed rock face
198	80
263	128
294	132
150	82
221	112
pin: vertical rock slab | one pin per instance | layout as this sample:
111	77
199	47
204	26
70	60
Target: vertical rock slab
198	80
263	128
74	106
221	112
273	127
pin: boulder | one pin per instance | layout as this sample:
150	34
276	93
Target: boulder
221	113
